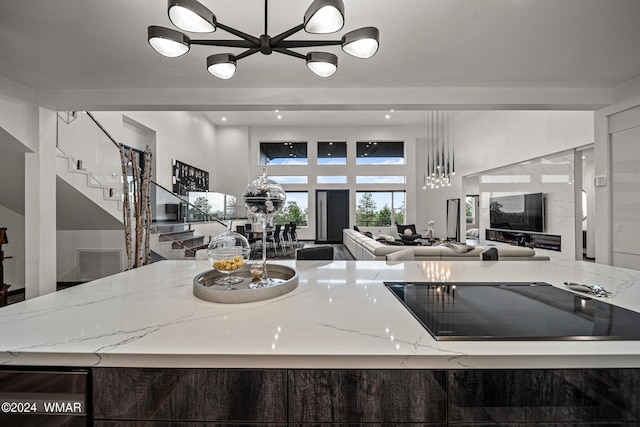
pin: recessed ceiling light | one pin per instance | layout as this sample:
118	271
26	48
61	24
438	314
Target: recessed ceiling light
387	116
224	119
392	110
279	117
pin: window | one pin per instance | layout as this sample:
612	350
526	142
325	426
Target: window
332	153
283	153
289	179
380	153
296	209
373	179
332	179
212	203
379	208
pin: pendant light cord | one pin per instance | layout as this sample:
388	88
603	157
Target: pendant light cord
266	2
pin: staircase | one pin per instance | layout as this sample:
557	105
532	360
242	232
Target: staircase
105	195
182	241
89	188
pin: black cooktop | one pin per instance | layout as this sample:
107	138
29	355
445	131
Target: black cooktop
513	311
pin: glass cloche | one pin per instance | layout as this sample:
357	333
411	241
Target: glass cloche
228	253
264	198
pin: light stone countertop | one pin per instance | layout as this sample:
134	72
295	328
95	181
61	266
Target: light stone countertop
340	316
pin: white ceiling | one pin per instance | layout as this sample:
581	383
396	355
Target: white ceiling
98	44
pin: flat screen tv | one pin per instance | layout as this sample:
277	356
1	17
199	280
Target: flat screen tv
523	212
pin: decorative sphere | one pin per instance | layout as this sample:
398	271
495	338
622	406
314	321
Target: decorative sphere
264	198
228	252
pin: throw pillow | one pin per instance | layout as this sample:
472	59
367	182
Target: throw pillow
408	232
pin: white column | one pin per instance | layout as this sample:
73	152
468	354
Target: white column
40	210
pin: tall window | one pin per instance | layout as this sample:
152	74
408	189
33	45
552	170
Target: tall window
380	153
332	153
296	209
379	208
283	153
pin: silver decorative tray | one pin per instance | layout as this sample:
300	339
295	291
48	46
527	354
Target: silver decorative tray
204	287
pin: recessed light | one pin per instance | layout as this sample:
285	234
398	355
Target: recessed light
224	119
277	111
392	110
279	117
387	116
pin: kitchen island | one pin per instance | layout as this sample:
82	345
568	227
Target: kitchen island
339	348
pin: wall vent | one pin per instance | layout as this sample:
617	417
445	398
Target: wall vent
96	263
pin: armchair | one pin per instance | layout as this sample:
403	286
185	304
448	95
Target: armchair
408	234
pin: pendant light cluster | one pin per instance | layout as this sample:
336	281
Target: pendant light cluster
322	17
439	150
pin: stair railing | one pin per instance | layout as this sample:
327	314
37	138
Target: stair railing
103	160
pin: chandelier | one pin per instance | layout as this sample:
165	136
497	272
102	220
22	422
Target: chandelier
439	150
322	17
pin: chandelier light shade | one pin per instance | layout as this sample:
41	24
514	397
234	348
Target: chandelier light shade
439	149
362	43
322	64
322	17
168	42
192	16
222	65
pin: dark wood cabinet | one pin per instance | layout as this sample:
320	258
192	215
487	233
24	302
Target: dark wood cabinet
127	397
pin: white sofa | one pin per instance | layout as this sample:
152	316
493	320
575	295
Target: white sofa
366	249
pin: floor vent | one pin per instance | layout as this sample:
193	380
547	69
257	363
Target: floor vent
96	263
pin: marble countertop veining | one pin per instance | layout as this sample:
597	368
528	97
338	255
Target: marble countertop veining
340	316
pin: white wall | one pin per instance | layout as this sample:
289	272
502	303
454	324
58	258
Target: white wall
18	111
231	170
182	135
19	118
485	140
551	175
608	120
625	189
69	241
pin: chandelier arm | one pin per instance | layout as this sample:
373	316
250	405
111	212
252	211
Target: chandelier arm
238	33
290	53
225	43
288	44
277	39
246	53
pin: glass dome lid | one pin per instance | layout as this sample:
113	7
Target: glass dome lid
263	197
